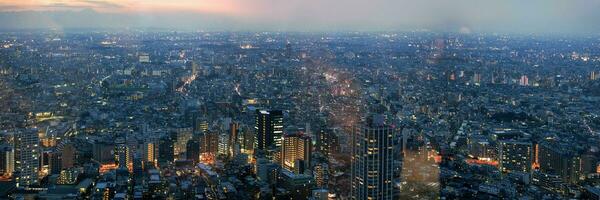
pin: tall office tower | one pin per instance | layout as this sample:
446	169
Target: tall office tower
183	136
193	150
102	152
209	143
7	161
234	145
556	159
149	150
27	155
593	75
246	140
54	162
323	141
201	125
372	158
165	151
122	152
321	173
268	129
67	156
137	164
223	148
295	153
515	156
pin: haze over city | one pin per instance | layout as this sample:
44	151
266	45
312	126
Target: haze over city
510	16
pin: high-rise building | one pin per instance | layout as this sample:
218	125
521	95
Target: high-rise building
150	151
324	141
183	136
201	125
137	164
295	153
515	156
555	159
165	150
223	148
7	161
193	150
234	145
209	142
54	162
298	185
372	159
321	173
102	152
122	152
27	155
246	140
67	156
268	129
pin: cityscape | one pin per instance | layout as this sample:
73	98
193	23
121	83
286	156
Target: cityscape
160	113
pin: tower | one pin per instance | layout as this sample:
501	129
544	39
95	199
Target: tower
68	156
193	150
372	172
269	129
7	161
122	153
26	158
296	152
515	156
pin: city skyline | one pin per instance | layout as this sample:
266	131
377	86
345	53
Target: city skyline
299	100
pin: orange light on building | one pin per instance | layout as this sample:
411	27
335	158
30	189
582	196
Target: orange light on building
207	158
482	162
107	167
535	165
435	156
598	169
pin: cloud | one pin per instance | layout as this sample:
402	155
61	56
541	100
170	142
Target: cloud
102	4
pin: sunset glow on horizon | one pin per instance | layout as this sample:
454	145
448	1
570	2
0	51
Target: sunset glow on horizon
307	15
126	6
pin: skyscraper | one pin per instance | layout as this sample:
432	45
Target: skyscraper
246	140
193	150
68	156
321	173
515	156
209	143
26	158
269	129
102	152
372	173
122	152
150	150
223	145
234	145
7	161
324	141
165	150
296	152
555	159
